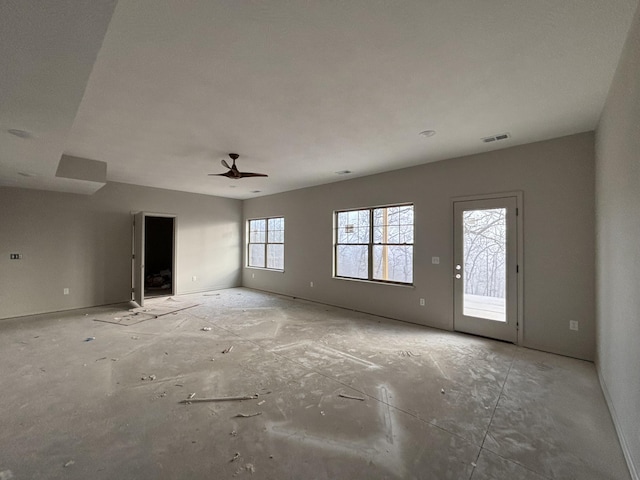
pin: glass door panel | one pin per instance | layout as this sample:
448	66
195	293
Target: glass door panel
484	259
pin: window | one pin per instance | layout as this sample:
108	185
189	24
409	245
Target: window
266	243
375	244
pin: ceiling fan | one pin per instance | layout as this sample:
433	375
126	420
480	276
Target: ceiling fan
233	172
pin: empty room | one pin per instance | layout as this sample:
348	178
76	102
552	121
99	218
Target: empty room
390	239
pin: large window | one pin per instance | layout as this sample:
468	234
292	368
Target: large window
375	244
266	243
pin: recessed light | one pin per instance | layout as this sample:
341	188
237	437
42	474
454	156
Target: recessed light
232	186
25	174
19	133
427	133
256	191
343	172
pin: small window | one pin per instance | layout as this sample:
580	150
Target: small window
266	243
375	244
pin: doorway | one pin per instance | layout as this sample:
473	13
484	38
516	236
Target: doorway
486	267
153	256
158	254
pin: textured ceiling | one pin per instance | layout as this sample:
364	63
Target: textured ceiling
299	89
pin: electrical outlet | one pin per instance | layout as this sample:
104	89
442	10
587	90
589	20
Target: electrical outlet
422	302
194	278
65	291
435	260
311	284
15	256
573	325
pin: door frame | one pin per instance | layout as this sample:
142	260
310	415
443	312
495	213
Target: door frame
519	196
143	215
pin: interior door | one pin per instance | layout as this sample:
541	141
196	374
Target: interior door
138	258
485	268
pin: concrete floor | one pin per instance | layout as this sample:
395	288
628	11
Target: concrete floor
77	409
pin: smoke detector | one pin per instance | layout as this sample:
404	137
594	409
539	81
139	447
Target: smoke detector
19	133
427	133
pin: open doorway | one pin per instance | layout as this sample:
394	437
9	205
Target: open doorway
153	259
158	254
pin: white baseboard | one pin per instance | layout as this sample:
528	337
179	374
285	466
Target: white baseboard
616	423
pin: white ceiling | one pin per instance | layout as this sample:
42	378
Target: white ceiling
300	89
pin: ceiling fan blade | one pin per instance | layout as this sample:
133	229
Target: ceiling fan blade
250	174
228	174
225	164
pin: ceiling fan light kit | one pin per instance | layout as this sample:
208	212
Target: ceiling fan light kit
233	172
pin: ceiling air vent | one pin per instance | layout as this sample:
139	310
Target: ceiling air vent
495	138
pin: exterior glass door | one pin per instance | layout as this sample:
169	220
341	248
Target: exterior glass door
485	268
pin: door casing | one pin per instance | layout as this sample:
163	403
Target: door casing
137	289
137	262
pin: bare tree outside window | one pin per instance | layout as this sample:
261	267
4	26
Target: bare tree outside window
375	244
266	243
485	257
352	240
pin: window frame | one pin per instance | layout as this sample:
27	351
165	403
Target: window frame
371	244
266	243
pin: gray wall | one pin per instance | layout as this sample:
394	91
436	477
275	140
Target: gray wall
84	243
618	247
557	178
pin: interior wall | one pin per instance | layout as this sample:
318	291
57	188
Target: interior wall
557	180
84	243
618	247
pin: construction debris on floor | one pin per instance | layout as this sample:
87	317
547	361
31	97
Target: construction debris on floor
153	309
309	392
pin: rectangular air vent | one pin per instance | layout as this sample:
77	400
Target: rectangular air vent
495	138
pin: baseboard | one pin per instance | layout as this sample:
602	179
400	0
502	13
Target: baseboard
616	423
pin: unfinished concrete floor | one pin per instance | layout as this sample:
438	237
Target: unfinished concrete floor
436	405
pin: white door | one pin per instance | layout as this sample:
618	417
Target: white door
486	268
138	258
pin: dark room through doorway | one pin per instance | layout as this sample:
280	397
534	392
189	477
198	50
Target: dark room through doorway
158	256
